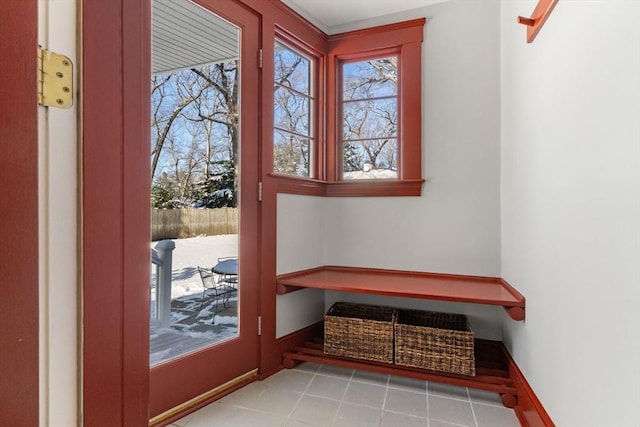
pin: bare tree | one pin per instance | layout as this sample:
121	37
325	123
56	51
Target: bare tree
195	126
370	117
223	108
223	78
292	108
163	117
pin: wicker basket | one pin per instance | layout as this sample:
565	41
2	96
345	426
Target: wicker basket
436	341
360	331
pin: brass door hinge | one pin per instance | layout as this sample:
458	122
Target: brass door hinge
55	79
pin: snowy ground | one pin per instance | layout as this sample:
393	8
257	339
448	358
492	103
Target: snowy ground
197	251
196	324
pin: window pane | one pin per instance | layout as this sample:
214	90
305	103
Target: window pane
370	79
291	111
371	159
370	119
291	69
373	118
292	120
290	154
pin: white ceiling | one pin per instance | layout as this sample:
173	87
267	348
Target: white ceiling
332	13
186	35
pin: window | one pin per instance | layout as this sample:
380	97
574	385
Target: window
374	137
347	117
369	112
293	141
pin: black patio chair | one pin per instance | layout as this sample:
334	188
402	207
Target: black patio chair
220	290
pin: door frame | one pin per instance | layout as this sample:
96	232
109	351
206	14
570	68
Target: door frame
115	65
116	52
19	365
115	92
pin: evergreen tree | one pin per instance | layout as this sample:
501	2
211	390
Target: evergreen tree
217	190
353	158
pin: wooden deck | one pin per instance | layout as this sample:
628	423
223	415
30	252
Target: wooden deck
170	343
192	331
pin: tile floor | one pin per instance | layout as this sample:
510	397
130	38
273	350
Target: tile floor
324	395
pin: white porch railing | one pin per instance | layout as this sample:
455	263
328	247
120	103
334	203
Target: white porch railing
161	258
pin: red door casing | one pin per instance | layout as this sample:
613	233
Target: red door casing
187	377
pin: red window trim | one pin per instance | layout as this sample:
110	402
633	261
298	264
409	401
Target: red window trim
405	39
339	105
317	93
356	188
299	185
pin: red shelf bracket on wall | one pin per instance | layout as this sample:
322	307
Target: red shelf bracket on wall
539	17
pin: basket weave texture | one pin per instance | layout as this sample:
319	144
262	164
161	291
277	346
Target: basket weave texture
360	331
439	342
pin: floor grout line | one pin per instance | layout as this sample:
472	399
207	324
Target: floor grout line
301	395
426	398
386	392
475	420
459	399
341	401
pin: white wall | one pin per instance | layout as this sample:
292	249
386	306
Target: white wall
301	243
454	227
58	231
571	206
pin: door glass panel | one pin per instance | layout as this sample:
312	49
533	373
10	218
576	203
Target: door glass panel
195	179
